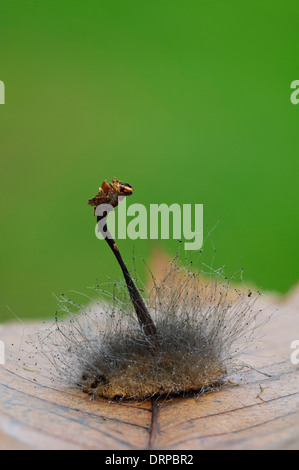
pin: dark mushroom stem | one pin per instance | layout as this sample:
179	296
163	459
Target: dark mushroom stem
145	320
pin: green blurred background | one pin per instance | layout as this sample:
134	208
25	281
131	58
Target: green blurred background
188	101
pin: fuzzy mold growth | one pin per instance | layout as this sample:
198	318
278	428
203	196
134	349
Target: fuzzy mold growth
203	326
